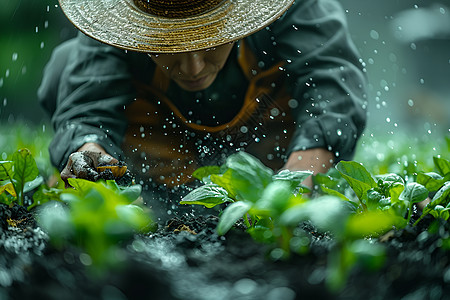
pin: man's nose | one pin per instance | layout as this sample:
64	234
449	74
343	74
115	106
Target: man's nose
192	64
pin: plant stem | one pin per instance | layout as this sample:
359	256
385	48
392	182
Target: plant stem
408	218
247	223
418	220
12	182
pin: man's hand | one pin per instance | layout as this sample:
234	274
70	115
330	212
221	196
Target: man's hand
84	162
317	160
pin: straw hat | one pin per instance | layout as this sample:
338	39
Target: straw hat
171	26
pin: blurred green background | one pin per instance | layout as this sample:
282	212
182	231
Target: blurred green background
405	45
29	30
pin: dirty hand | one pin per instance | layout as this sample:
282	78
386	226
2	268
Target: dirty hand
83	164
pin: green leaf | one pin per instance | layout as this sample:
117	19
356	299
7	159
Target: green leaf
372	223
231	214
373	199
395	191
9	187
44	195
227	181
293	177
331	192
133	216
275	197
386	183
414	192
431	180
442	197
357	177
31	185
81	185
131	192
205	171
208	195
328	213
249	175
442	165
25	169
6	170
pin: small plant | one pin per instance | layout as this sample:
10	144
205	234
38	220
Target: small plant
253	193
388	192
98	217
438	183
18	176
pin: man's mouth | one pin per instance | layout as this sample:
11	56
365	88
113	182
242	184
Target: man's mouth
194	84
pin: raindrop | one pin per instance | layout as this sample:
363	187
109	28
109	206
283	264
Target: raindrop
85	259
339	132
410	102
374	34
388	120
14	56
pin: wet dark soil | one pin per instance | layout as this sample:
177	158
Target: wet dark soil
186	259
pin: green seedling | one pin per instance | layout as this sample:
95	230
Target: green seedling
438	182
385	192
98	217
351	232
18	176
252	192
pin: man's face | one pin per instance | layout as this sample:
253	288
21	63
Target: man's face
194	71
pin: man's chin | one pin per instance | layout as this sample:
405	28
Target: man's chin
196	85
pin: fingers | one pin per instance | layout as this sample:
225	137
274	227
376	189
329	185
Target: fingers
83	164
67	173
106	159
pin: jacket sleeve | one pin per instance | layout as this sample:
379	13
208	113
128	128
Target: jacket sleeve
85	88
324	76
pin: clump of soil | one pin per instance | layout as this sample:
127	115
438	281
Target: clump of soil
117	172
15	216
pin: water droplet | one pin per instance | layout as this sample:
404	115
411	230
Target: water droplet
374	34
410	102
339	132
293	103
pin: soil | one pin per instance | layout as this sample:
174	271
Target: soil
186	259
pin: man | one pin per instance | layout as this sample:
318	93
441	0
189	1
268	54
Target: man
173	85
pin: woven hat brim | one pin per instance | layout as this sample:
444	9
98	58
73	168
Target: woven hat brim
121	24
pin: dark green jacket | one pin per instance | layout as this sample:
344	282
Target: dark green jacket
86	85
